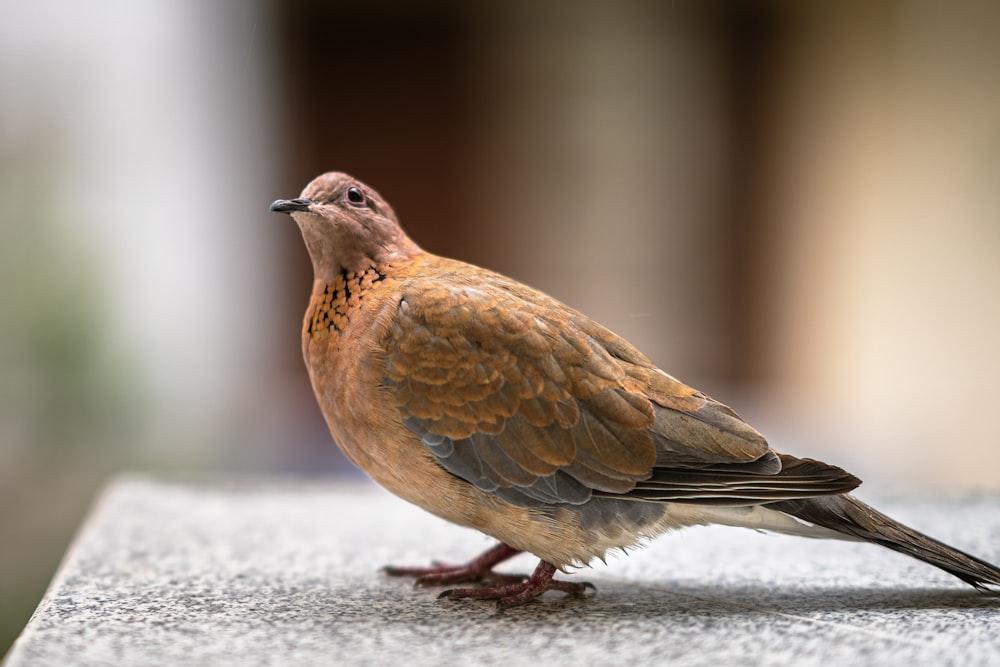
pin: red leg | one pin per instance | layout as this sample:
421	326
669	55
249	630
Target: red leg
518	593
478	570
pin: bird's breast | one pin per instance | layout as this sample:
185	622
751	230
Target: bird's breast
339	344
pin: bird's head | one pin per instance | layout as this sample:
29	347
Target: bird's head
346	225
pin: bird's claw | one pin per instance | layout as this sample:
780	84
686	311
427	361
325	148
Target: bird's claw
507	589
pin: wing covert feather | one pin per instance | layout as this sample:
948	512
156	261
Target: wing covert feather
530	400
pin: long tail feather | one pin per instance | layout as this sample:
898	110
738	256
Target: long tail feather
848	515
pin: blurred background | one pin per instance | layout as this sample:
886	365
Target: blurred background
793	206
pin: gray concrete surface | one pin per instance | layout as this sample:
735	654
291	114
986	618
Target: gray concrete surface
283	572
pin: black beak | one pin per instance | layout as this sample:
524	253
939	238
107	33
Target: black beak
290	205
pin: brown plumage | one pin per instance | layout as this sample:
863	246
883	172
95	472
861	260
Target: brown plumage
497	407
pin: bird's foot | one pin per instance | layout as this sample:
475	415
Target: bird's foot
479	570
509	595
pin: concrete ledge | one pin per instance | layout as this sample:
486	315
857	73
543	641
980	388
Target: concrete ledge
286	573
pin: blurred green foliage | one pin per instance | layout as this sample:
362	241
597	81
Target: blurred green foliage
66	406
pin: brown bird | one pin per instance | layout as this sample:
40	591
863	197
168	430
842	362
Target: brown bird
497	407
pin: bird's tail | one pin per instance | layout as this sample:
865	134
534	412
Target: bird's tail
851	517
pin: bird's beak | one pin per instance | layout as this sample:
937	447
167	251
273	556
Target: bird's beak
290	205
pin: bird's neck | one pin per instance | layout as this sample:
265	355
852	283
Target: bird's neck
331	260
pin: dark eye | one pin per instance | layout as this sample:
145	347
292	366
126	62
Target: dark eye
355	196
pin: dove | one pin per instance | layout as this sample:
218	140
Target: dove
497	407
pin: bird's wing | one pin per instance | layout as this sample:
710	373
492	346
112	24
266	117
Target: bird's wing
532	401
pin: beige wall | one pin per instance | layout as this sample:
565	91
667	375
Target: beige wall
884	282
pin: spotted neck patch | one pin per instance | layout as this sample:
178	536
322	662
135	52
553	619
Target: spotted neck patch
332	308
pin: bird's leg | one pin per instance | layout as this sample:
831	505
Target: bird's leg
509	595
478	570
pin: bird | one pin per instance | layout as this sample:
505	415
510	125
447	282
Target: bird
494	406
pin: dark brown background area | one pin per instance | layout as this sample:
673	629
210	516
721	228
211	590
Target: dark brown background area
392	92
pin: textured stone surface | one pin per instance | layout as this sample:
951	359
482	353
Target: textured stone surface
284	572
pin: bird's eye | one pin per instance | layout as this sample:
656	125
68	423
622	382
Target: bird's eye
355	196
